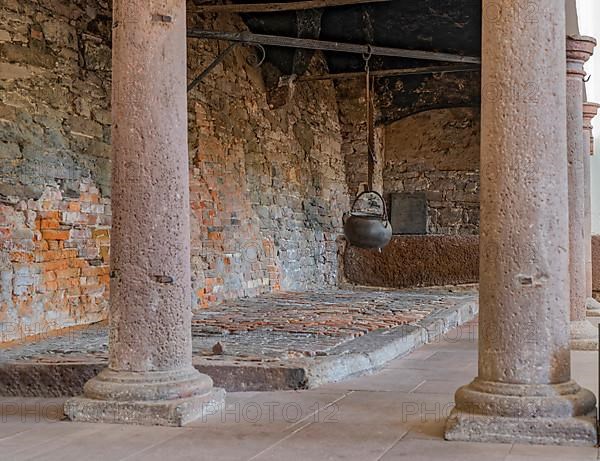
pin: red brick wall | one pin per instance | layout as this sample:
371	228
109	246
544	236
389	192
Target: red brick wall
54	164
54	262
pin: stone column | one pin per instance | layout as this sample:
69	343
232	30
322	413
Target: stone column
523	392
583	334
589	112
150	378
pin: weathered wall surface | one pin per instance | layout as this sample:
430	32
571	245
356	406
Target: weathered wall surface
416	260
437	152
352	114
267	185
54	164
596	265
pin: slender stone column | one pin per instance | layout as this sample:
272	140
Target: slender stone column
150	378
589	112
524	392
583	334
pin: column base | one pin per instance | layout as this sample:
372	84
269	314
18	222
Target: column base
584	336
559	414
593	307
151	399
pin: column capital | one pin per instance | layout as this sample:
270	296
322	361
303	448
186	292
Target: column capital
590	110
579	49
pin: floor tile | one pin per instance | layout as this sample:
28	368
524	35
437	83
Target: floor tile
429	450
532	452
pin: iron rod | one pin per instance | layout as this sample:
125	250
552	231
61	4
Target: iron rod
291	42
276	7
391	73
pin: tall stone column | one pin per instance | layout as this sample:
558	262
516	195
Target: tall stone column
150	378
583	334
523	391
589	112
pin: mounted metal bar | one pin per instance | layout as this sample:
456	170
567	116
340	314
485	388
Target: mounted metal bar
196	81
392	72
276	7
291	42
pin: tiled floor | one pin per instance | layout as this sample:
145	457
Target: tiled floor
396	414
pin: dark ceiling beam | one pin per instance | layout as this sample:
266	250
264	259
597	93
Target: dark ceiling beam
276	7
291	42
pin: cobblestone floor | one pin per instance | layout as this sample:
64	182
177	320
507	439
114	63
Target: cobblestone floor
314	323
281	325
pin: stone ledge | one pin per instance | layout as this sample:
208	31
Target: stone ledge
64	375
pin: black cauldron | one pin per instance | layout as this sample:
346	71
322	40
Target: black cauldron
365	229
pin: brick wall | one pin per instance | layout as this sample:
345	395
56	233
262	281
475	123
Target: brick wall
267	185
53	262
437	152
54	164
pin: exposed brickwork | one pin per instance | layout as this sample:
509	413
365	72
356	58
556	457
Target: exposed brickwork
268	182
54	164
268	185
54	256
437	152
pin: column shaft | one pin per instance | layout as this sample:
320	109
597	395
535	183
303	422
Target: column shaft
150	378
583	334
523	392
589	112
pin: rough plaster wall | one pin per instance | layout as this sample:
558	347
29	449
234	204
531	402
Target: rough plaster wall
437	152
267	186
54	164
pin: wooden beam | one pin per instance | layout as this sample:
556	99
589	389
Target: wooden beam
392	72
276	7
291	42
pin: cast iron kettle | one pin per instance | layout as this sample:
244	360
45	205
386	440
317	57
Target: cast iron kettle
366	229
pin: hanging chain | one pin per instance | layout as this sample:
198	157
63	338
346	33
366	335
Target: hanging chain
370	122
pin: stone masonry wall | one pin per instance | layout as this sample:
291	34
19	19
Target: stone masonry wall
54	164
352	113
267	185
437	152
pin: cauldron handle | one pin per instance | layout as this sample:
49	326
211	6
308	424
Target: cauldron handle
384	215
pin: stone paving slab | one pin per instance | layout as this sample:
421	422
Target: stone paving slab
274	342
